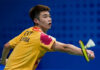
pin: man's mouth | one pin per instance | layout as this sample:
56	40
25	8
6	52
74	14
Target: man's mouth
49	23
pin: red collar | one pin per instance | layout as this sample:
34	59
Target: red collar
36	28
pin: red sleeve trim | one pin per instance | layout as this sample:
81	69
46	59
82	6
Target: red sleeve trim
45	39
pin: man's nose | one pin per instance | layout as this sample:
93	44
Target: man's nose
49	19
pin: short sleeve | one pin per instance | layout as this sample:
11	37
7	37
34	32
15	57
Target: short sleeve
16	40
47	41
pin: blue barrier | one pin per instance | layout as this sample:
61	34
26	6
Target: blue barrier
1	67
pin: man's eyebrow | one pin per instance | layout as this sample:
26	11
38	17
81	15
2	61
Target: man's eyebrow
45	14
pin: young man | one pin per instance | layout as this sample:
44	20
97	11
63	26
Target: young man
31	45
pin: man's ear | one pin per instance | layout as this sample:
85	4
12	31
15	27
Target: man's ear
36	20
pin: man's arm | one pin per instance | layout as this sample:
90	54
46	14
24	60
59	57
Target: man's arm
5	53
71	49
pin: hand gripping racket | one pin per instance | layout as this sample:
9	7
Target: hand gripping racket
84	51
88	45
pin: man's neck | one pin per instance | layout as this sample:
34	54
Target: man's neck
44	30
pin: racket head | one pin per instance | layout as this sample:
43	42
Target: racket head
84	51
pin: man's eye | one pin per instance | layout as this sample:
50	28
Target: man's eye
45	16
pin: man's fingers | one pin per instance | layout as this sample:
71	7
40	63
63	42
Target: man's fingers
90	54
2	61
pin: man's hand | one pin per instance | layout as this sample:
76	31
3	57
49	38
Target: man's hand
91	54
3	61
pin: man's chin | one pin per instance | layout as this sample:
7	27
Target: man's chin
48	28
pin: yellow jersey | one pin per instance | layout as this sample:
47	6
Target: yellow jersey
29	47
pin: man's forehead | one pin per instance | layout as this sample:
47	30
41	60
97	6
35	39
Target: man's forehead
45	13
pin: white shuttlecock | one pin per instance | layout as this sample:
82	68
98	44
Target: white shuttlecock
90	43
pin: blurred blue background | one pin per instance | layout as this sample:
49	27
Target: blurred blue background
73	20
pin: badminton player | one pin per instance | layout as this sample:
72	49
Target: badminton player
31	45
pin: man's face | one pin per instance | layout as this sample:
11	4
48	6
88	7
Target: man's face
45	20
